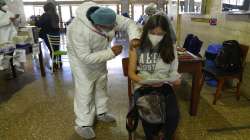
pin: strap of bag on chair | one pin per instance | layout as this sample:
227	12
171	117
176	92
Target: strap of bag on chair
132	120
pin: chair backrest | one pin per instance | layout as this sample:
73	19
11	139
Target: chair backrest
125	73
54	40
244	51
125	66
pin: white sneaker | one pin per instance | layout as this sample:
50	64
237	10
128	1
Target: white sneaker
106	117
85	132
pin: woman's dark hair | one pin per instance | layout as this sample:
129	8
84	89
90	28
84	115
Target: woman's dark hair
49	7
50	10
166	48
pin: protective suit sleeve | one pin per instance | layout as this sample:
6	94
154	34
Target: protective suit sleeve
81	46
126	24
5	19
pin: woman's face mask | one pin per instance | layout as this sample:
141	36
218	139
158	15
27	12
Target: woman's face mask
155	39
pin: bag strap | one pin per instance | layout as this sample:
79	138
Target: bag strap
100	33
132	120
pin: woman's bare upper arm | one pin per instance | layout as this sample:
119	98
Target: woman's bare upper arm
132	61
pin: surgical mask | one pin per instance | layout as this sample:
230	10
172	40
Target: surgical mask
155	39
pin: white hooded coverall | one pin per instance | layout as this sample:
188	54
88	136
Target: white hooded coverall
7	29
88	53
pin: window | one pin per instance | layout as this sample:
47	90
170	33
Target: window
119	9
189	6
65	13
34	0
74	7
235	5
38	10
28	11
130	11
111	6
137	11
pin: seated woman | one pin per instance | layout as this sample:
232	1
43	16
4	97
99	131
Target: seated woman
156	59
49	24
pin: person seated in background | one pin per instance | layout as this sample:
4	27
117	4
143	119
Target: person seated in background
156	58
49	24
152	10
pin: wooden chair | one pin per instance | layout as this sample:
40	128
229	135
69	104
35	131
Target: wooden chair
125	62
125	73
55	54
221	77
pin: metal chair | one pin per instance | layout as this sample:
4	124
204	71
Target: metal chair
54	40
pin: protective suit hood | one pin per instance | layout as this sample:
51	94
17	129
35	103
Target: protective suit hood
81	12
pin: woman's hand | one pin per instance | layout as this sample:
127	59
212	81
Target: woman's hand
135	43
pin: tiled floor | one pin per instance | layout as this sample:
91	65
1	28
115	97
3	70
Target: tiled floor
35	108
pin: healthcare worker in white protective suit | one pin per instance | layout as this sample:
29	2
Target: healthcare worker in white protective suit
7	29
89	36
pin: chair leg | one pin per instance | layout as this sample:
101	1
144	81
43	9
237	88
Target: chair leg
57	63
130	136
52	67
202	81
13	68
218	90
238	91
174	136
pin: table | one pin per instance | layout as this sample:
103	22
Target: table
189	63
8	49
33	33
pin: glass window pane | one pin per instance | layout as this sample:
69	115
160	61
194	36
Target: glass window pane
111	6
130	10
38	10
74	7
137	11
145	6
65	13
34	0
28	11
240	2
233	5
